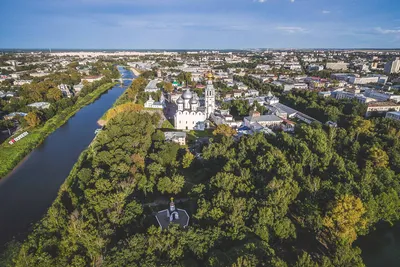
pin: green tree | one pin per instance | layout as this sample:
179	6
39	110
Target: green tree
54	94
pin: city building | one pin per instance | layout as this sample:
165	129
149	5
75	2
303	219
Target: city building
176	137
40	105
395	115
153	104
65	90
14	114
78	88
256	119
190	114
381	107
337	65
152	86
392	66
370	79
91	79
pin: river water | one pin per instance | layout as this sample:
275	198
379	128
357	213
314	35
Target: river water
27	192
381	248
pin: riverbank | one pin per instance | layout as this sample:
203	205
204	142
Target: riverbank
136	72
11	155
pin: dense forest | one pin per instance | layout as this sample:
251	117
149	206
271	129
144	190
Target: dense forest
298	199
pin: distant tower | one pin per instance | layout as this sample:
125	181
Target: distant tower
159	74
210	96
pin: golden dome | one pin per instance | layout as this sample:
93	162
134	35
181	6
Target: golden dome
210	76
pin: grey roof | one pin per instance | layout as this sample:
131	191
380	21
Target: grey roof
263	118
172	135
284	108
187	94
152	85
163	219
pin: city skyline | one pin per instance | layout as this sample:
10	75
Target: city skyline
178	24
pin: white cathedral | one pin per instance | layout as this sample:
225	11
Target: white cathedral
190	115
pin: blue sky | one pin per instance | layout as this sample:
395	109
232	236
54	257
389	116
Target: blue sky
191	24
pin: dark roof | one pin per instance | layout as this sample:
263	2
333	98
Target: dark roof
163	219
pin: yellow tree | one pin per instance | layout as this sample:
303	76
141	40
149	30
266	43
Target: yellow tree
123	108
54	94
168	87
187	159
32	119
378	156
361	126
225	130
345	218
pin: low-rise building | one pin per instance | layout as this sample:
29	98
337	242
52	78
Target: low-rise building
14	114
381	107
91	79
152	86
22	82
65	90
370	79
78	88
395	115
256	118
153	104
40	105
176	137
337	65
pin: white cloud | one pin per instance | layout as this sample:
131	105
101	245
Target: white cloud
387	31
290	29
326	12
292	1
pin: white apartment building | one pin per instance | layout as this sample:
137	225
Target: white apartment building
366	80
381	107
392	66
337	65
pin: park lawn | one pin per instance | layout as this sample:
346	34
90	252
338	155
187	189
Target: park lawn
11	155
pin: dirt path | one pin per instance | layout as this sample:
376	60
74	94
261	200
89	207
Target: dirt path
158	202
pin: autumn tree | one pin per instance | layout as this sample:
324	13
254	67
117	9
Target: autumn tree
123	108
378	156
168	87
33	119
345	218
187	159
224	130
361	126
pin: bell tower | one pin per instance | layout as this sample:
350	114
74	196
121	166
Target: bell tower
209	95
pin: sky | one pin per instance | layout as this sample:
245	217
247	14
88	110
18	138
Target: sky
199	24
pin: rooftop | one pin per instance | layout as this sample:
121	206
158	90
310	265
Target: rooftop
382	104
263	118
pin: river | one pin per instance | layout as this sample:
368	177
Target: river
381	247
28	191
